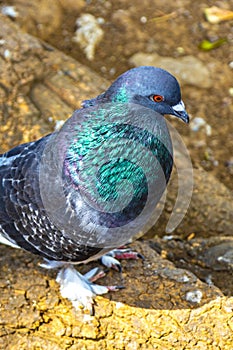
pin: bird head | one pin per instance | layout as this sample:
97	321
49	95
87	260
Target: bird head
148	86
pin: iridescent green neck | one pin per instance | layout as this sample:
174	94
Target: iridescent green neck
121	95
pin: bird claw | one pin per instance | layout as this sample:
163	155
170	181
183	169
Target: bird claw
110	259
94	274
110	262
115	288
79	289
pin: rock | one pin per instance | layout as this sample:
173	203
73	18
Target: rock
211	208
209	213
210	259
220	256
197	123
160	306
38	85
72	5
9	11
188	69
88	34
124	22
41	18
204	205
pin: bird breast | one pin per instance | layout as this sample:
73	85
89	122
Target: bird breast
107	169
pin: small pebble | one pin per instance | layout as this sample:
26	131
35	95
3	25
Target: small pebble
180	50
112	71
231	91
194	296
197	123
168	237
89	34
58	124
7	54
9	11
143	19
208	280
119	305
185	279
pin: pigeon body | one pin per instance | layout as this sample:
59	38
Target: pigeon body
48	192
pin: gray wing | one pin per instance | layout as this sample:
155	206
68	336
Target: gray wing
23	220
13	192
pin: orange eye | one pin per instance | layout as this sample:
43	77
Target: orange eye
157	98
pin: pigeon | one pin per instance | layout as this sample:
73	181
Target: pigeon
79	194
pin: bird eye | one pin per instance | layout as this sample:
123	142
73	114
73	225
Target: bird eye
157	98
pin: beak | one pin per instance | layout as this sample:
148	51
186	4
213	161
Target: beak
180	112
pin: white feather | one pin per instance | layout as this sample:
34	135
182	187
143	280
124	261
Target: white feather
5	241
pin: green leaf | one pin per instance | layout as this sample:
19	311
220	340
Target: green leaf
207	45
